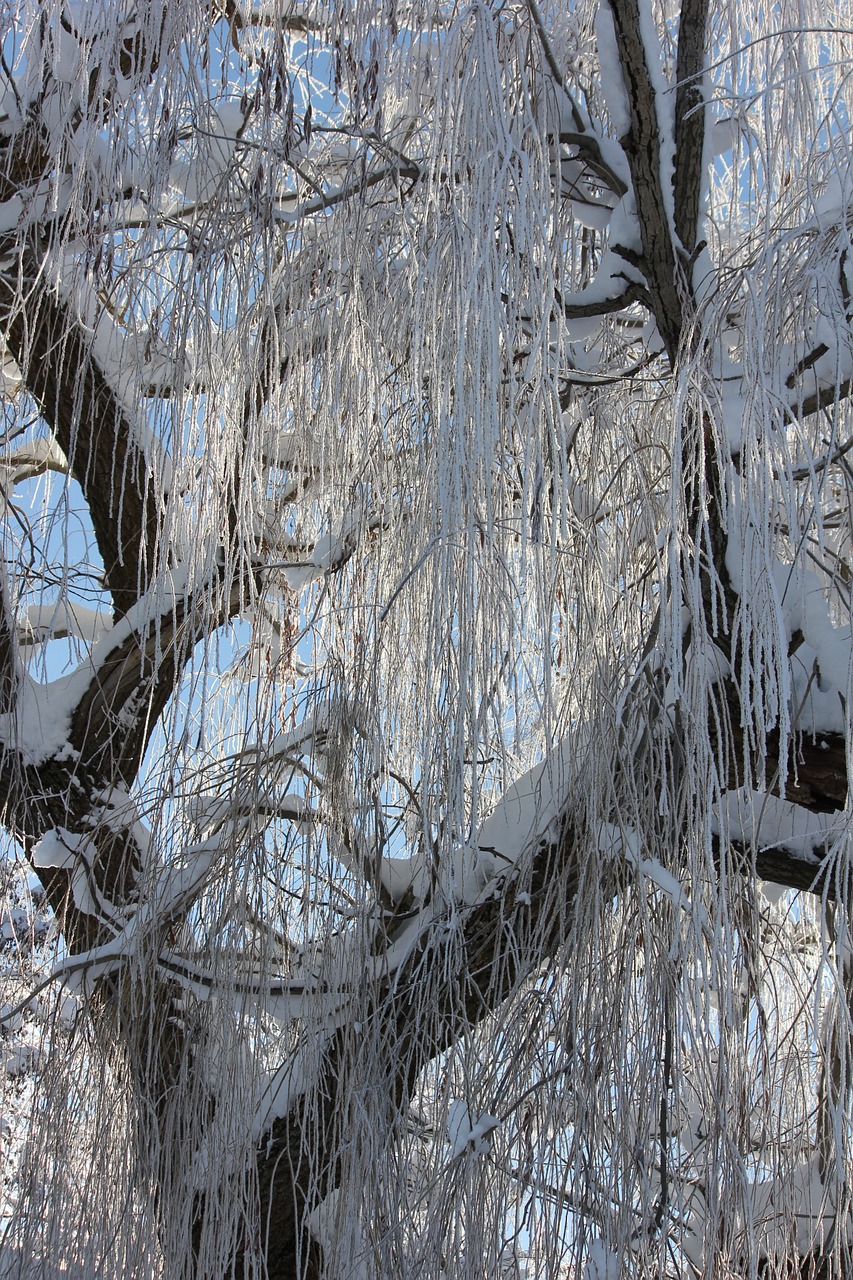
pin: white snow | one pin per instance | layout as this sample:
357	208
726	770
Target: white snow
179	884
594	214
173	891
299	575
67	851
11	379
35	457
724	135
734	412
327	1225
15	923
39	726
198	176
11	213
19	1060
80	971
294	448
65	66
57	848
116	809
655	871
610	68
794	600
528	809
298	741
468	1132
798	1211
63	618
330	550
832	644
615	842
601	1262
765	820
279	1092
399	875
819	706
405	941
773	893
470	869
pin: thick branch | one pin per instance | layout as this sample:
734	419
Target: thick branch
823	397
793	869
574	308
60	372
642	147
690	122
8	664
144	667
469	976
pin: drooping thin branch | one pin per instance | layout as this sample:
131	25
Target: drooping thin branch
583	136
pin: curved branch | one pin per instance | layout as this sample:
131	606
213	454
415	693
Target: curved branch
130	686
91	426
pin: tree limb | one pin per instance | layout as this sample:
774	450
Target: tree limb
642	147
690	122
476	972
84	413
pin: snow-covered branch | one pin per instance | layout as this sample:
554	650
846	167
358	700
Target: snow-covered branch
465	451
646	135
90	427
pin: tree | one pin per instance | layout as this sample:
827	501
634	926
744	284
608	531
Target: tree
425	628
